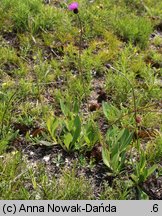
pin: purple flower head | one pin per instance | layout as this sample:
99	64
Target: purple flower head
74	7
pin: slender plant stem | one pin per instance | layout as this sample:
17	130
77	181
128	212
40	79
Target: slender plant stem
39	92
5	111
132	111
143	109
134	101
135	117
80	52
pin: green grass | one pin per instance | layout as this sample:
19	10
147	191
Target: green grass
47	94
19	181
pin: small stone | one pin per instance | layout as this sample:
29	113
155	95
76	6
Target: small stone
31	153
46	158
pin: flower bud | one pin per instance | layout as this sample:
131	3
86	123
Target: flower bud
138	119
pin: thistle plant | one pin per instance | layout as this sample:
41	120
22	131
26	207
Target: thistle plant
137	118
74	7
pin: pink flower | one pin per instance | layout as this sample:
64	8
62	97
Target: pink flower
74	7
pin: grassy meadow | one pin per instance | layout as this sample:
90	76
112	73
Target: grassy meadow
81	99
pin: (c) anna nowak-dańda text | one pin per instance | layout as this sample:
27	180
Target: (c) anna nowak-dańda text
67	208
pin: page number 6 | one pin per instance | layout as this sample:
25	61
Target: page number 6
155	208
